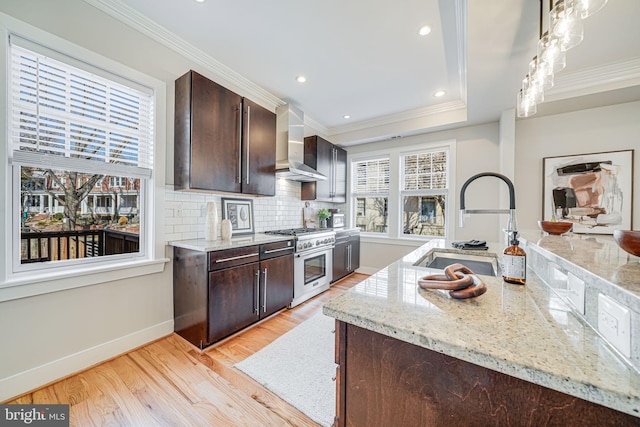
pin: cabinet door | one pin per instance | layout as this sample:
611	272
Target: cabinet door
354	241
340	176
213	136
339	260
233	300
318	155
259	150
276	284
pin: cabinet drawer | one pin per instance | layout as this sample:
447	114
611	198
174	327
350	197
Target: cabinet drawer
276	249
232	257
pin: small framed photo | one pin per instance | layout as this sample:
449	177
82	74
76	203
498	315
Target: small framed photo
240	213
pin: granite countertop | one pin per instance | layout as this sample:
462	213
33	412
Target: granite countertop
235	242
527	332
596	253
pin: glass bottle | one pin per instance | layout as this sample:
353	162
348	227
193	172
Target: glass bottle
514	261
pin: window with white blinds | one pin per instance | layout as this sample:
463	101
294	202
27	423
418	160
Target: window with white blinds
425	171
81	145
371	194
68	116
424	193
371	176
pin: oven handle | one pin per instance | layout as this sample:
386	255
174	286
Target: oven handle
323	249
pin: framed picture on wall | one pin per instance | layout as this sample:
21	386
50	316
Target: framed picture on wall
594	191
240	213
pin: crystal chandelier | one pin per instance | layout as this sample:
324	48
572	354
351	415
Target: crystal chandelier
565	31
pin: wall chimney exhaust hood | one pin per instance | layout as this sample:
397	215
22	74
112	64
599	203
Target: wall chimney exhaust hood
290	146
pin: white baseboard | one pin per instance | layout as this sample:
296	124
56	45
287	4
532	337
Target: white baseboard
34	378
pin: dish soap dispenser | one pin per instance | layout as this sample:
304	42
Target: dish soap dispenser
514	261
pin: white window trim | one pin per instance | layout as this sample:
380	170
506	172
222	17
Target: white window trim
25	284
394	230
449	213
378	155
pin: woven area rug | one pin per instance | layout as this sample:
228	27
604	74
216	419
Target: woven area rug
299	367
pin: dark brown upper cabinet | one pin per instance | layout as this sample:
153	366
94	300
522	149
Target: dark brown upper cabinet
223	142
331	161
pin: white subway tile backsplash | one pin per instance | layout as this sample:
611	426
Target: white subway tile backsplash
185	212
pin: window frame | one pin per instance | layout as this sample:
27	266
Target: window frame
424	193
354	196
16	284
395	233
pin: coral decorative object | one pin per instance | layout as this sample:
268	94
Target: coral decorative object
628	240
555	227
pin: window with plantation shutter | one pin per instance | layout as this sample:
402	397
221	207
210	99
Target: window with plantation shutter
424	193
81	146
371	194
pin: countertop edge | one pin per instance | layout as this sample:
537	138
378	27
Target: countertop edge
540	377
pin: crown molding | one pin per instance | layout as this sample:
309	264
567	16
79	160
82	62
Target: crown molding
595	79
461	30
131	17
417	113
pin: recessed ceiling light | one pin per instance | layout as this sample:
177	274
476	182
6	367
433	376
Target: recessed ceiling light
301	79
346	116
440	93
200	1
423	31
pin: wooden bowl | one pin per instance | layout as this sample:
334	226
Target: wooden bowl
628	240
555	227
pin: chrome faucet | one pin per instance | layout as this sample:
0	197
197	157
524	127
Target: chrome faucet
511	226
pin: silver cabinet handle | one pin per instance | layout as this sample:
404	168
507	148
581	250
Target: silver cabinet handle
248	140
335	171
264	295
233	258
349	257
270	251
239	174
256	310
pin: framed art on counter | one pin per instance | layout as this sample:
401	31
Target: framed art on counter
240	213
594	191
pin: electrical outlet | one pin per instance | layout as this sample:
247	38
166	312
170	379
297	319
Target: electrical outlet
177	212
614	323
575	292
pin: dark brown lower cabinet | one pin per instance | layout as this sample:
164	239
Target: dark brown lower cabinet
219	293
382	381
232	300
346	253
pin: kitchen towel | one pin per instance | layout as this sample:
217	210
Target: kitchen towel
475	245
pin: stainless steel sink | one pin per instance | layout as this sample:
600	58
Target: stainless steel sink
485	264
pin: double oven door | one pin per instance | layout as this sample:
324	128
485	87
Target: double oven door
312	273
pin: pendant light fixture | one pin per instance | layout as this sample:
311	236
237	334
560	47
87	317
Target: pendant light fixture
587	8
566	24
565	31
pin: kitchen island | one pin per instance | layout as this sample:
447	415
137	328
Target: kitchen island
517	355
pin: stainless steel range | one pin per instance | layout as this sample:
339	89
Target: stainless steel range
313	261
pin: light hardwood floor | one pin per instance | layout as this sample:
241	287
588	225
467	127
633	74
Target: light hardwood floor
171	383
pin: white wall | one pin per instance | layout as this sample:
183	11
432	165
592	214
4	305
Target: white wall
609	128
477	150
